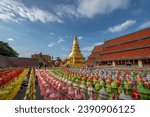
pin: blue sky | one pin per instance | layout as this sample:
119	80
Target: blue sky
48	26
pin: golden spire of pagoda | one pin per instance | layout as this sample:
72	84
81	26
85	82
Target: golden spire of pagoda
75	57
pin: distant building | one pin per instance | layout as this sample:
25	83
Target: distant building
6	62
128	50
45	60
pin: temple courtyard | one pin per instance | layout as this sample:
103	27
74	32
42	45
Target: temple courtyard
114	70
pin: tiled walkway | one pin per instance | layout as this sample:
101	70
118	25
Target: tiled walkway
22	91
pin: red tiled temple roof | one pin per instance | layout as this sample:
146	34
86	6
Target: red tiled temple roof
46	57
93	55
139	34
131	46
135	44
90	61
23	61
139	53
6	62
95	51
97	48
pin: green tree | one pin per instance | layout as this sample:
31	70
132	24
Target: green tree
6	50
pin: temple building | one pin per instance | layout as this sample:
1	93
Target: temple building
75	58
7	62
44	60
128	50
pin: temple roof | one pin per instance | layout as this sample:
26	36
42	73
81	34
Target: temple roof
5	62
132	54
132	36
47	57
98	48
90	61
131	46
17	62
24	62
93	55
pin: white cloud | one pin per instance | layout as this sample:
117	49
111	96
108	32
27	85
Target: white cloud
90	8
51	44
16	11
24	52
98	43
10	39
138	11
80	37
87	48
13	47
64	49
121	27
90	48
144	25
66	10
60	40
52	33
67	36
63	56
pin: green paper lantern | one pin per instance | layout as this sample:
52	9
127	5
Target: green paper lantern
127	85
120	89
77	81
114	85
108	88
97	87
88	83
102	83
95	81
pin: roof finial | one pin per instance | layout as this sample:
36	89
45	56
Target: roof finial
75	40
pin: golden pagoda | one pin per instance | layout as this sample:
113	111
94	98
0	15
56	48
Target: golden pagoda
75	58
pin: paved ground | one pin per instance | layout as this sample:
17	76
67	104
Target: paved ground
22	91
38	96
